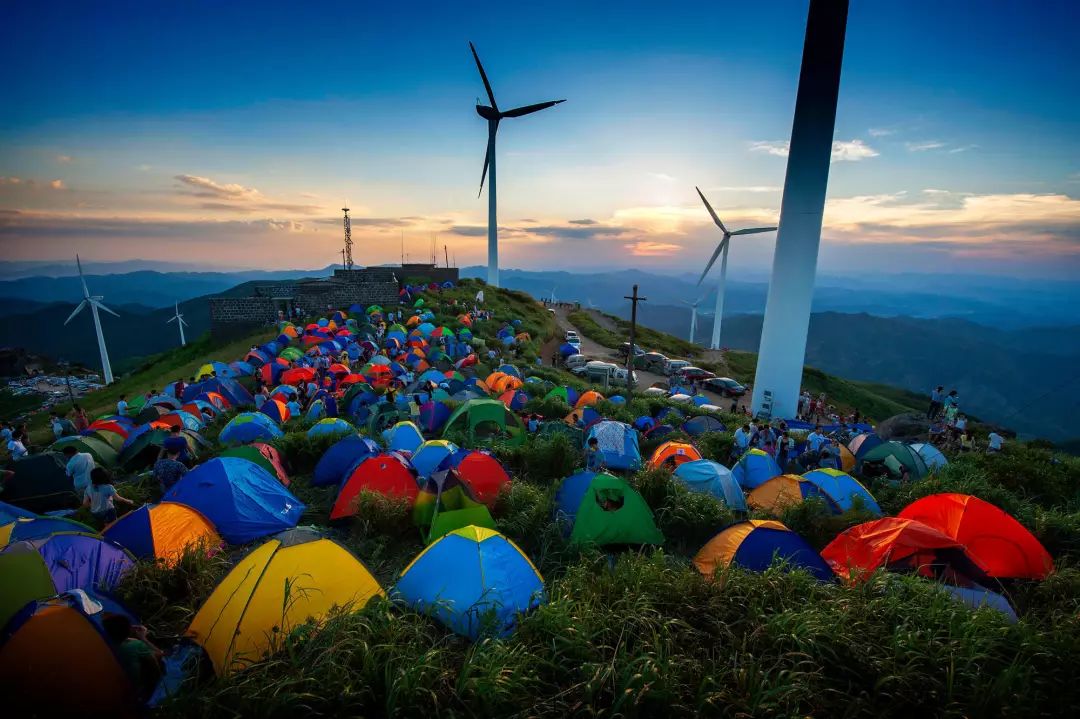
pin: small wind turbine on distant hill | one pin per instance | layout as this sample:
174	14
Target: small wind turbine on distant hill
94	303
693	314
178	318
553	295
725	243
494	115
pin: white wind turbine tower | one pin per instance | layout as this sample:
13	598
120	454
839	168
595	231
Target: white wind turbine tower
693	314
553	295
494	116
94	303
725	243
178	318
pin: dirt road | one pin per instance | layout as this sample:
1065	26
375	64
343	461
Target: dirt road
594	350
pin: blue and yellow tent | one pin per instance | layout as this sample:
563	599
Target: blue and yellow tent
786	490
249	427
33	527
475	581
755	544
330	426
844	490
162	531
403	437
754	468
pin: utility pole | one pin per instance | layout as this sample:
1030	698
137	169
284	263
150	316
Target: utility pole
347	252
634	299
67	380
446	255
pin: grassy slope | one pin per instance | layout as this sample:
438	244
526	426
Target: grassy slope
872	400
634	633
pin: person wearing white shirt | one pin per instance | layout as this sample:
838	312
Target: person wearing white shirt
994	442
79	467
122	406
742	439
16	448
815	439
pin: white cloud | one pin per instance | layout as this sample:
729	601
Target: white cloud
663	177
12	181
924	145
962	148
880	132
64	159
842	150
57	184
209	188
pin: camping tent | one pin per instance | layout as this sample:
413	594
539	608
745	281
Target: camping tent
895	455
23	528
389	474
482	472
343	455
484	419
430	455
999	543
672	454
263	455
898	544
330	427
701	424
446	503
473	580
933	457
754	468
57	661
754	544
706	476
618	445
601	509
249	427
786	490
103	453
163	531
39	483
38	568
284	583
240	498
844	490
403	437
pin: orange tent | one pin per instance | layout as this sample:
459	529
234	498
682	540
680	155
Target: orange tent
673	454
896	543
588	399
991	536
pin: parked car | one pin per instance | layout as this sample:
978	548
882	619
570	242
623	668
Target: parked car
672	366
638	352
606	372
694	374
571	335
574	361
724	386
653	361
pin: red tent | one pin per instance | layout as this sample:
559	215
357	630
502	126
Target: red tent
297	375
899	544
991	536
484	475
386	473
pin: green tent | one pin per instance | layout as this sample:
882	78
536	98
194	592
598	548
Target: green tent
553	428
26	578
114	440
252	454
102	452
609	511
291	353
895	455
485	419
384	416
444	504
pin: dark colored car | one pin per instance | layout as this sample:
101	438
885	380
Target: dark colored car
724	386
694	374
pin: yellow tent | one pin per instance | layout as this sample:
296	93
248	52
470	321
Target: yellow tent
278	587
205	371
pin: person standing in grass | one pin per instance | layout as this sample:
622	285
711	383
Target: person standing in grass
80	467
594	460
169	470
937	395
79	418
122	406
101	496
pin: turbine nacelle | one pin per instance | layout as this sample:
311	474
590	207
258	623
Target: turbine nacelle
487	112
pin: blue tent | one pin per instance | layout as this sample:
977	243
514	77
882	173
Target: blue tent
842	489
474	581
338	461
709	477
329	427
403	437
644	424
567	349
249	427
431	454
241	499
701	424
9	513
618	444
433	416
755	544
754	468
670	414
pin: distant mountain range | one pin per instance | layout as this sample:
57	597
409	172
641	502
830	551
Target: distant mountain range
1008	348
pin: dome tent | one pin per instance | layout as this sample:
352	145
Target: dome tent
287	581
389	474
755	544
473	580
754	468
343	455
618	444
709	477
445	503
601	509
162	531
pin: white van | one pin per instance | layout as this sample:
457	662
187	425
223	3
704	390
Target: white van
674	365
574	361
605	372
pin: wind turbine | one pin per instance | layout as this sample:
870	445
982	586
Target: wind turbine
494	115
693	314
94	303
725	243
553	294
178	318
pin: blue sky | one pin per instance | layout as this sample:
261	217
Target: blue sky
232	132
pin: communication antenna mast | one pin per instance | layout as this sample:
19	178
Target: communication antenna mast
348	261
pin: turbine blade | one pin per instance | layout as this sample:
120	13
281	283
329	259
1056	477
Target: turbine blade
484	77
85	291
185	324
753	230
711	211
493	127
529	109
171	319
77	311
100	306
715	254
